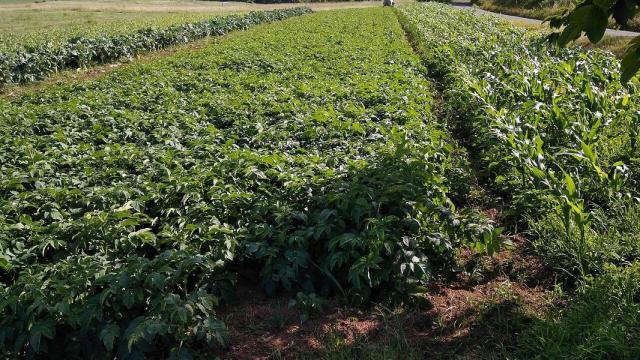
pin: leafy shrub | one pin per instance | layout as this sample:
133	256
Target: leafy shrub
124	307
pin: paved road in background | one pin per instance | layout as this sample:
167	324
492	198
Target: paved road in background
477	10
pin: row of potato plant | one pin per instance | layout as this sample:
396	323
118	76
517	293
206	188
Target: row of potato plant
302	156
12	40
34	63
557	136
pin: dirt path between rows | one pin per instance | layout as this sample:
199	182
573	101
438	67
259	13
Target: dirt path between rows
479	314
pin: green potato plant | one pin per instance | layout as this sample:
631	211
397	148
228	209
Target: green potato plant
303	156
35	62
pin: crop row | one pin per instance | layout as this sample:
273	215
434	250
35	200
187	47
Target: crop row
302	156
26	65
555	127
21	37
558	136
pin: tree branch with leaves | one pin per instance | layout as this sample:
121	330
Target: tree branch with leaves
591	17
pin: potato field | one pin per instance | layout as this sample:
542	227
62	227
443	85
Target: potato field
405	168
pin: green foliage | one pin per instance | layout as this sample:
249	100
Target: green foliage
104	306
613	238
602	322
309	304
554	127
557	135
35	63
591	17
305	151
26	29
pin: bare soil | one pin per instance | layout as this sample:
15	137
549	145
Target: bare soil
477	315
